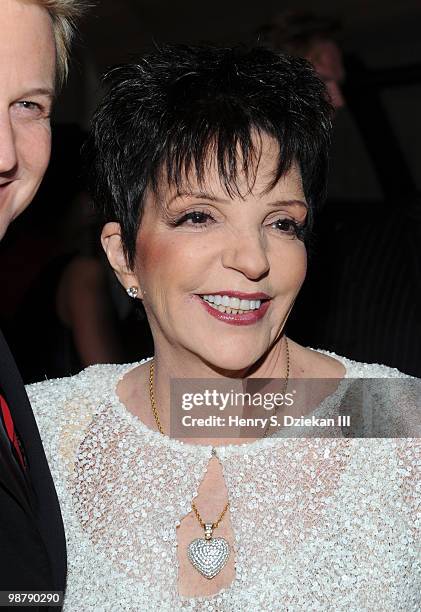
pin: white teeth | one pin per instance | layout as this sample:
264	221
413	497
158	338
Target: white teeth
224	303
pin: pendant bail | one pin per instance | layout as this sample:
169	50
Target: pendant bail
208	531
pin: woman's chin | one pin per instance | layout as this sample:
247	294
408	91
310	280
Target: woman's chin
235	363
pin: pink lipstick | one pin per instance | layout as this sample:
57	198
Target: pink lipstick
245	318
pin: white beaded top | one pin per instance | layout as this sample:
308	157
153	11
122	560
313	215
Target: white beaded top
319	523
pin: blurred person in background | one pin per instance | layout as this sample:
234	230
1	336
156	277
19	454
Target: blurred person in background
34	47
69	319
314	38
83	326
207	167
75	313
373	310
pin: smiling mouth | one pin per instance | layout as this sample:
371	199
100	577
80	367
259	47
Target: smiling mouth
233	305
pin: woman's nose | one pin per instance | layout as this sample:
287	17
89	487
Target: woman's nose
8	154
246	253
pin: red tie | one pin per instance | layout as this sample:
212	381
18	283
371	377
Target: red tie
10	430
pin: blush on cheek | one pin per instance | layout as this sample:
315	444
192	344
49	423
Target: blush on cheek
156	263
161	256
152	255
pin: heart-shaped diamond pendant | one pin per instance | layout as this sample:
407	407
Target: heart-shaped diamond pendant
209	556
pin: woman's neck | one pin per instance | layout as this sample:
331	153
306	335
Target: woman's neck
169	398
170	364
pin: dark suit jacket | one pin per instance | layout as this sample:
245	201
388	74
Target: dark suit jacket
32	542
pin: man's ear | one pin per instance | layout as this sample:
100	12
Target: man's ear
113	247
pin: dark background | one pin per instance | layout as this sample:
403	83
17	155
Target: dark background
385	34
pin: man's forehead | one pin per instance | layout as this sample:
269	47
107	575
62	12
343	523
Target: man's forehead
27	46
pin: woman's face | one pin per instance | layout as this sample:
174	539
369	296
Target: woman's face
205	243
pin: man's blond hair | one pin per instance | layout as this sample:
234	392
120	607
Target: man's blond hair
64	15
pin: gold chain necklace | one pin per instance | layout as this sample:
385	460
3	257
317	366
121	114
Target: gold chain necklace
208	555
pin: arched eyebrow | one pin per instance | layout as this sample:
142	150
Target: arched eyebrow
201	195
301	203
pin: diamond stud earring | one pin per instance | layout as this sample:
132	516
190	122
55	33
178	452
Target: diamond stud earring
132	292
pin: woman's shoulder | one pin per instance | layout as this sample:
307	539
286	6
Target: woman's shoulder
57	400
386	400
320	363
360	369
61	387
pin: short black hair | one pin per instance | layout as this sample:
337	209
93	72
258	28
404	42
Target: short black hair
180	104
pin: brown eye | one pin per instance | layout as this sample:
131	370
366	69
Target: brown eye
195	218
287	226
30	105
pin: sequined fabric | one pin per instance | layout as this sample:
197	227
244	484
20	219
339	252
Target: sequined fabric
319	523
